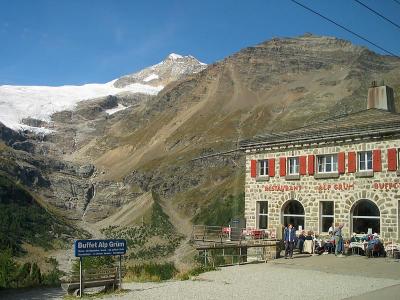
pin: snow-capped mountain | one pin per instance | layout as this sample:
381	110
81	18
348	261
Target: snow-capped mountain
40	102
172	68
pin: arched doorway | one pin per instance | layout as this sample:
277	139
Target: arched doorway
293	213
364	215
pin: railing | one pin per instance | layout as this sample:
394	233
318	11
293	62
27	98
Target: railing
223	234
237	254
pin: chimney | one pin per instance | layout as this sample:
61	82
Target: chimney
380	97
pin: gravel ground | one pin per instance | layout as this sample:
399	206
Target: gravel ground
260	281
317	277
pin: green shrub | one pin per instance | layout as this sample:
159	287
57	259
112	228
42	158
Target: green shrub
22	219
35	275
151	272
52	278
22	277
28	274
8	269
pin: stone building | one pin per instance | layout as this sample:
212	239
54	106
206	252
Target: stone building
341	170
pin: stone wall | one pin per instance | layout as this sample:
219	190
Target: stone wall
345	190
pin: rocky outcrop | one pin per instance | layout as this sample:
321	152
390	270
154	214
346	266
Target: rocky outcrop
9	136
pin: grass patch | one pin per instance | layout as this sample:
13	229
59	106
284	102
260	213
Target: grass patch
196	271
153	272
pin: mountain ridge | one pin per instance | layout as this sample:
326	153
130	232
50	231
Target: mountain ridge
40	102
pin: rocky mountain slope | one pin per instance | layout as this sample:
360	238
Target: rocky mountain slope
273	86
109	162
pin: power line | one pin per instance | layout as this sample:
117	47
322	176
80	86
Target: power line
344	28
377	13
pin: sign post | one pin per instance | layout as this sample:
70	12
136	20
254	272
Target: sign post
80	277
120	273
99	248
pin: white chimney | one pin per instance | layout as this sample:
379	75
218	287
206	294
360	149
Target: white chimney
380	97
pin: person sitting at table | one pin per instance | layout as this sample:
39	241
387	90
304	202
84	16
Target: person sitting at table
301	240
309	243
318	247
346	247
329	245
354	238
331	229
374	245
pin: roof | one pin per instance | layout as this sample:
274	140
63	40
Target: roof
366	123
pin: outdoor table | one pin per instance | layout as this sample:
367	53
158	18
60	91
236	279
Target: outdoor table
358	246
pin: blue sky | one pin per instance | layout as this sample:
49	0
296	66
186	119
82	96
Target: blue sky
49	42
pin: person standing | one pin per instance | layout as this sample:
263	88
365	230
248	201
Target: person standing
289	238
301	240
338	240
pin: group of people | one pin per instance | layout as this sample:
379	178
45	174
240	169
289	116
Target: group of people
334	243
369	243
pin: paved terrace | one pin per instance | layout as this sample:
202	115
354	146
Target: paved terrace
316	277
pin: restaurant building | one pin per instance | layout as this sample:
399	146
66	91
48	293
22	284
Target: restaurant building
340	170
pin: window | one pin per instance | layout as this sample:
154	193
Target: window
262	209
293	165
398	158
398	219
365	161
293	213
326	218
365	215
263	166
327	163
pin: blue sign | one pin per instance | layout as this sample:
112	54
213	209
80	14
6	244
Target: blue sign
99	247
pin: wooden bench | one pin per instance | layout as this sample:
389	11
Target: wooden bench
107	278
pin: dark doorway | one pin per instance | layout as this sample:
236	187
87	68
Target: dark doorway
365	215
293	213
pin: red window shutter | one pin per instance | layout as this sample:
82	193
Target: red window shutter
351	162
303	165
311	166
341	162
253	168
377	160
271	167
392	159
282	166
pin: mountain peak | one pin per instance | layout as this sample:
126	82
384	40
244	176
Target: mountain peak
172	68
174	56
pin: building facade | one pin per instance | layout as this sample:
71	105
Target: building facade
340	170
